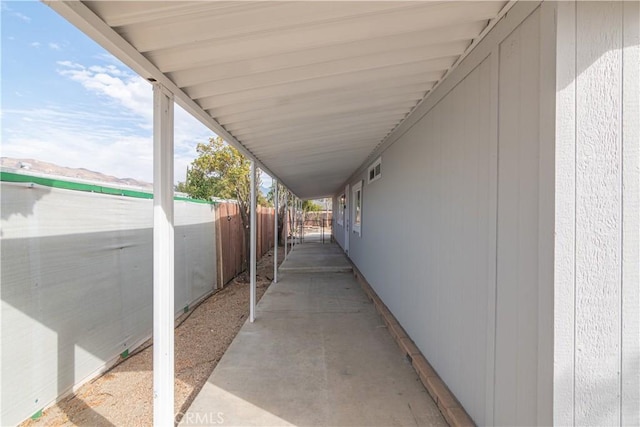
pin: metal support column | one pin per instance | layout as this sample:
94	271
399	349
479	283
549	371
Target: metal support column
252	262
275	232
163	258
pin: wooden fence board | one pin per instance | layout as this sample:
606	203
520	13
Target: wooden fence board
232	246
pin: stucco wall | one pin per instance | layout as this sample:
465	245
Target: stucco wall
597	303
450	236
76	284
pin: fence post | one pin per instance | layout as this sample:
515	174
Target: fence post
219	259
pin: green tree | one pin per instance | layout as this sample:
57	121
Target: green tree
310	206
198	185
222	171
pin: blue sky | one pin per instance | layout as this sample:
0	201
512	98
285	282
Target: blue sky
67	101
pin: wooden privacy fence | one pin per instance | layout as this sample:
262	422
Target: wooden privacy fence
231	249
264	220
317	218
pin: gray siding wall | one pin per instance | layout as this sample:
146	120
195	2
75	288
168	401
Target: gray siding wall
597	291
338	229
450	233
426	233
504	232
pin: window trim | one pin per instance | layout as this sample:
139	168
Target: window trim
356	227
378	162
341	201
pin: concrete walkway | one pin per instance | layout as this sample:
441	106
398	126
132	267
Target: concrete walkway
317	355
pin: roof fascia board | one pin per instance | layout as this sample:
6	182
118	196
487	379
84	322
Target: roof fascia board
78	14
475	53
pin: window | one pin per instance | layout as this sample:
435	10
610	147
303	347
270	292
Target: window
341	202
357	208
375	170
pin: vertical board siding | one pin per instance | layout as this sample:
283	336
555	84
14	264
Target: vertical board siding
336	228
450	236
597	349
630	372
546	212
430	268
564	263
517	283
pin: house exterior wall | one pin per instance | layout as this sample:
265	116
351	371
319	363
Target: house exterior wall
597	256
338	225
76	285
504	231
450	234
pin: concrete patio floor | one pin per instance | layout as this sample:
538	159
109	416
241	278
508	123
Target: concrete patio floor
318	354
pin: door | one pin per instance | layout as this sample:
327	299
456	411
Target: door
345	211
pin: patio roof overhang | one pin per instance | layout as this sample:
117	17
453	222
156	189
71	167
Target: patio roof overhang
309	90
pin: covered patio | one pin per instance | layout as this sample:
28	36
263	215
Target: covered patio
319	354
308	91
483	163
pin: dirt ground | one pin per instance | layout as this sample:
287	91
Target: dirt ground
123	395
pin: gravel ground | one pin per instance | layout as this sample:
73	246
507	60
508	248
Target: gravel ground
123	396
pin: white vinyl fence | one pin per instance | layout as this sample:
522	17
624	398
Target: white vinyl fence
76	282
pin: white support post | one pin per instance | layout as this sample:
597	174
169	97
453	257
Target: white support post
275	232
163	258
295	223
285	229
252	262
301	223
298	218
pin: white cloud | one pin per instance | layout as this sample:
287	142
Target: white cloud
54	46
21	16
69	64
74	138
109	69
127	90
35	44
112	135
107	57
6	9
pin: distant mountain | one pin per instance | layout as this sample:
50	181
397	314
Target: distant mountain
26	165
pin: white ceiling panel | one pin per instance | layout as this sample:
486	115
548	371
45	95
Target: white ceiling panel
292	91
308	89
